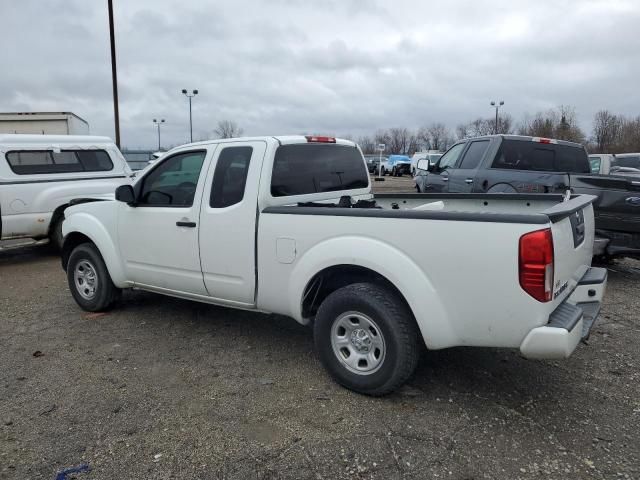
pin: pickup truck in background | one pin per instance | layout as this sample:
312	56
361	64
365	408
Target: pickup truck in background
519	164
625	164
40	174
396	165
289	225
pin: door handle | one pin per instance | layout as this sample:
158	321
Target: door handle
186	224
445	179
468	180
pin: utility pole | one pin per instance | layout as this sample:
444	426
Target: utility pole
114	74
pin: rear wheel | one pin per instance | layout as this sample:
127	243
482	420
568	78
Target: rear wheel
89	279
394	172
366	338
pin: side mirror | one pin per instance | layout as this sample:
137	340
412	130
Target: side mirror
423	164
124	193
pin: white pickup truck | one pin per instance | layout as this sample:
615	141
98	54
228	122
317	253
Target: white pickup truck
40	174
289	225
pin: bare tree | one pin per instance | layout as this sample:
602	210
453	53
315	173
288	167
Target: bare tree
413	144
462	131
560	123
227	129
505	124
606	130
435	137
383	137
629	136
399	140
367	145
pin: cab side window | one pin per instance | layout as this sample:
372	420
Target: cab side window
230	176
173	183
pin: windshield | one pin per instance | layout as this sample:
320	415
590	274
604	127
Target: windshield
632	161
313	168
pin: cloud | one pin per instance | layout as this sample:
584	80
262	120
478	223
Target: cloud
338	66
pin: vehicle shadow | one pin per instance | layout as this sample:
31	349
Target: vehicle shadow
25	254
481	372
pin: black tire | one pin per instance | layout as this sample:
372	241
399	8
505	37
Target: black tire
55	233
383	172
397	328
394	172
105	293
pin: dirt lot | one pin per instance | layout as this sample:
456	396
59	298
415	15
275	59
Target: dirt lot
161	388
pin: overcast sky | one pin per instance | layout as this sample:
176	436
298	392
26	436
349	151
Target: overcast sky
337	67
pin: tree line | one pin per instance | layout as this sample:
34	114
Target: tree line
611	133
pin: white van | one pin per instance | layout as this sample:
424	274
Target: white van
41	174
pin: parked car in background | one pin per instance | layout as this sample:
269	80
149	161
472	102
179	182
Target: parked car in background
519	164
625	164
600	163
373	162
431	155
396	165
41	174
289	225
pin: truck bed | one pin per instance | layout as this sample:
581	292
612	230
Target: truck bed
490	207
447	246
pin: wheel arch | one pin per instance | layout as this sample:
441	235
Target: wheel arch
57	213
346	260
80	228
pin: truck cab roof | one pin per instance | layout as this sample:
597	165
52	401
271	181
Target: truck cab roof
528	138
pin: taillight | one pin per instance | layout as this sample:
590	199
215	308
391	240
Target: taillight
317	139
536	264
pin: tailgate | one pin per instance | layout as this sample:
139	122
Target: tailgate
572	227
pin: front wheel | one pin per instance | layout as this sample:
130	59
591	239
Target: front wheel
89	279
366	338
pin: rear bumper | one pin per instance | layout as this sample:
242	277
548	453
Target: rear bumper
570	322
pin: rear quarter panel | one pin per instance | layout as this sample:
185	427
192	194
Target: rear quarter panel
460	278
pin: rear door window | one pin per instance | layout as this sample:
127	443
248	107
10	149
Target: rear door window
301	169
529	155
474	154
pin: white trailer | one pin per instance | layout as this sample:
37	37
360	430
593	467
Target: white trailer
43	123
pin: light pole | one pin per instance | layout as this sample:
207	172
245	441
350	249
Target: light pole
114	74
497	106
190	96
158	123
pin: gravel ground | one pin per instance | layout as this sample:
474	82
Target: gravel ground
161	388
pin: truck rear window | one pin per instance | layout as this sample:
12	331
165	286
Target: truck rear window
546	157
311	168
